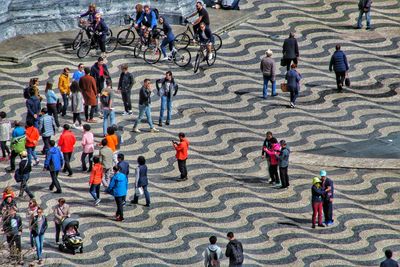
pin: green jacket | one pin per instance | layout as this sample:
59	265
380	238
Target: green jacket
18	144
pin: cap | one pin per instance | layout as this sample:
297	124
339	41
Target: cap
316	180
322	173
23	154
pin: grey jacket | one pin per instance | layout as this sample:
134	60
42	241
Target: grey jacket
284	157
207	254
290	48
267	67
77	102
47	126
163	90
106	157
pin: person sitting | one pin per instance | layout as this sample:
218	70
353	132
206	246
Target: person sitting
227	4
168	39
71	231
100	29
148	20
91	14
206	38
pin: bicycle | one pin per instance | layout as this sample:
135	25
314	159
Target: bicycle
127	36
85	25
90	44
183	40
202	54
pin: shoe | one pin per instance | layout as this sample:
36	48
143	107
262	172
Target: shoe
167	123
96	203
130	112
58	192
40	262
10	170
124	203
321	225
147	205
330	223
36	163
69	174
368	28
84	170
51	188
133	202
291	104
271	182
136	130
164	59
160	124
154	130
313	226
274	95
210	56
92	121
119	219
125	113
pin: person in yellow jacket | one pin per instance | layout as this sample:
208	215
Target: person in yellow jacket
64	87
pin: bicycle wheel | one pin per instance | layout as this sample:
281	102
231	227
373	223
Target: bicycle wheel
77	41
182	57
217	41
109	35
111	45
126	37
84	49
182	40
137	50
152	54
197	62
211	61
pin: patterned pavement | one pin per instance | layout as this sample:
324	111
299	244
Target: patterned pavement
221	111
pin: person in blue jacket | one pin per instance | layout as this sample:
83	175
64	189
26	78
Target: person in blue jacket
118	187
90	13
168	39
293	83
141	181
340	66
327	185
123	167
33	106
148	19
53	163
206	37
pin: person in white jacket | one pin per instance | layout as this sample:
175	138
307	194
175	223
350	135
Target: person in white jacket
212	254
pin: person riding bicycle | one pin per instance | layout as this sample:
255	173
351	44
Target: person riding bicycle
206	38
203	17
91	13
100	30
148	20
136	16
169	38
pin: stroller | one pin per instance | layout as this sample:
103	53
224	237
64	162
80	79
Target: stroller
71	240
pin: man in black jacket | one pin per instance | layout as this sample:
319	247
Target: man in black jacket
290	50
125	84
145	106
24	171
364	6
234	251
12	227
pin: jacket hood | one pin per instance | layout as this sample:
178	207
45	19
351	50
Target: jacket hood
287	147
213	247
53	150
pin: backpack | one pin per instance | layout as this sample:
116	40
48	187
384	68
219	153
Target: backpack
156	12
237	254
105	100
213	262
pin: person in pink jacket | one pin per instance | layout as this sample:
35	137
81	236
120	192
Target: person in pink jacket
88	148
273	167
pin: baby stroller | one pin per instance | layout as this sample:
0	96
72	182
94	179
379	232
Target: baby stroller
71	240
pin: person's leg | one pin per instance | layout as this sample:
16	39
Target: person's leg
314	213
271	173
90	161
129	101
124	101
28	151
180	167
46	143
68	162
162	109
97	189
295	95
112	117
92	109
148	116
359	20
92	191
163	45
273	88
3	148
169	109
86	112
121	206
342	77
135	199
140	116
288	61
78	118
55	181
330	211
275	173
325	210
58	230
65	104
106	114
146	195
184	169
337	74
319	213
265	87
118	213
368	17
12	160
285	176
83	161
26	188
33	153
38	252
32	240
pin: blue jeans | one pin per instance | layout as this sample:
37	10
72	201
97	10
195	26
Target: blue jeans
143	109
39	246
265	88
31	153
166	103
367	16
146	195
169	40
95	191
294	93
108	114
65	104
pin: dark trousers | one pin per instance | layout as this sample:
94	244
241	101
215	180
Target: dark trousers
100	83
76	117
328	210
294	93
83	161
283	173
65	104
46	144
273	173
5	148
12	159
52	111
58	231
120	206
87	115
54	181
95	191
14	240
340	76
182	168
67	160
126	99
146	195
289	61
25	187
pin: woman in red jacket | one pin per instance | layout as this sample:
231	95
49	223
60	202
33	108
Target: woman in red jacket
182	154
32	139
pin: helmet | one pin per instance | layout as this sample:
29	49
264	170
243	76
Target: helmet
316	180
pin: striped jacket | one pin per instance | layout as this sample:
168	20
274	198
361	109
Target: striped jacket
47	126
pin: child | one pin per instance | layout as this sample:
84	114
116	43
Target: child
112	142
76	105
96	176
316	201
8	192
5	129
88	147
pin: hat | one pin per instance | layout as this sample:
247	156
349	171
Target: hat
269	52
282	142
23	154
322	173
316	180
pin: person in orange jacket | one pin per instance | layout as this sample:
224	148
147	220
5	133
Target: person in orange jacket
96	176
32	139
66	143
181	154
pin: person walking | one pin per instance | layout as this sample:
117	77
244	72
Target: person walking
32	140
24	171
106	100
5	130
79	73
182	154
96	175
76	105
327	185
53	163
100	73
317	194
64	87
234	251
123	166
47	127
165	87
125	84
273	154
290	51
106	159
213	253
38	226
66	143
30	214
364	7
267	67
340	66
293	83
87	147
284	164
118	187
18	141
89	92
141	182
389	262
52	101
33	109
12	227
145	106
61	211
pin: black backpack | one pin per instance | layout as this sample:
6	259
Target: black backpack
237	254
156	12
213	262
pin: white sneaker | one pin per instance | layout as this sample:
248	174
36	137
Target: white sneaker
136	130
154	130
130	112
210	56
124	113
164	59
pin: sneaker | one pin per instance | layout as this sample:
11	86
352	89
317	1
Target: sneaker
291	104
210	56
321	225
313	226
130	112
154	130
125	113
160	124
36	163
164	59
136	130
96	203
167	123
124	203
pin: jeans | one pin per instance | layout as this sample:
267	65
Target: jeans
25	187
31	153
169	40
120	206
39	246
108	114
265	88
367	16
143	109
146	195
166	103
46	143
294	93
317	209
273	173
65	104
52	110
87	115
54	181
328	210
95	191
14	239
5	148
340	76
83	161
31	239
67	160
126	99
283	173
182	168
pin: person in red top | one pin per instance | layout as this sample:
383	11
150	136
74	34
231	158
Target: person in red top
181	154
96	175
32	140
66	143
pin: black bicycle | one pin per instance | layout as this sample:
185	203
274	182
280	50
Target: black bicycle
204	55
183	40
127	36
85	26
91	43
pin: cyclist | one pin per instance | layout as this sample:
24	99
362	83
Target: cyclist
100	33
206	38
148	20
91	13
168	39
203	17
136	16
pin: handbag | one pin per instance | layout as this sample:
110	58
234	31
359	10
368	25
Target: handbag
347	80
283	62
284	87
139	191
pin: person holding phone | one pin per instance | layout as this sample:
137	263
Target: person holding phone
181	155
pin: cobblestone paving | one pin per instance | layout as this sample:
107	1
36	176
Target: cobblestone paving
225	119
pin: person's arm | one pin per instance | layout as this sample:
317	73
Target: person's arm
331	64
47	160
111	184
273	71
29	107
140	19
61	141
296	48
131	81
228	251
137	172
104	30
85	14
176	87
206	258
345	61
44	225
158	84
56	215
153	20
191	15
120	81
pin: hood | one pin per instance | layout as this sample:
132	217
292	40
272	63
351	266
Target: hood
213	247
287	147
53	150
